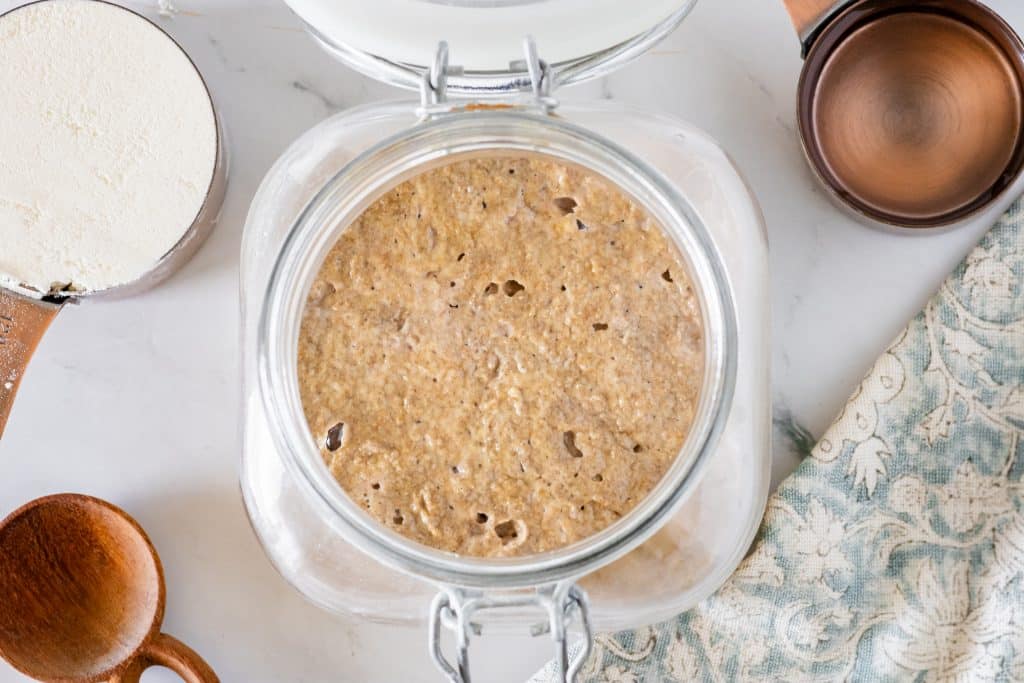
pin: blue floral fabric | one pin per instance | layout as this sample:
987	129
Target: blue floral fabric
896	551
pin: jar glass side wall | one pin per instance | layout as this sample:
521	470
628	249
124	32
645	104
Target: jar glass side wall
699	549
705	541
296	178
289	521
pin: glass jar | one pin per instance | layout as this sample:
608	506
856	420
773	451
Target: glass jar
679	543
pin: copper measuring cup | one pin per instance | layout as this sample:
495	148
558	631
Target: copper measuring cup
26	314
910	111
82	596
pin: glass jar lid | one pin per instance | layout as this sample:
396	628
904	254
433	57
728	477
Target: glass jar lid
394	40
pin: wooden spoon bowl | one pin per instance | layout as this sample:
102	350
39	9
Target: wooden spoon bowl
82	596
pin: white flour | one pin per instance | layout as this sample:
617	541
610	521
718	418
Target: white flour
107	145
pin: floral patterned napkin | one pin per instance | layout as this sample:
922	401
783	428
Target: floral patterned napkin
896	551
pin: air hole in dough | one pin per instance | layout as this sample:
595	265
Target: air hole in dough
511	287
569	439
566	205
506	531
335	436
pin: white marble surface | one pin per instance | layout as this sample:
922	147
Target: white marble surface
136	401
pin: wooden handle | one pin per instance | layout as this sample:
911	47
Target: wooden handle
168	651
22	324
806	14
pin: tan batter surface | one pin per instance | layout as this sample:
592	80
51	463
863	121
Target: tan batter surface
514	352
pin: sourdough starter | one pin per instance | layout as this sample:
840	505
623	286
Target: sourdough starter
502	356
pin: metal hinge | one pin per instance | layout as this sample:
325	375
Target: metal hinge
434	85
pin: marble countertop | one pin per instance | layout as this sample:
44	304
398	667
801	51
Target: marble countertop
137	401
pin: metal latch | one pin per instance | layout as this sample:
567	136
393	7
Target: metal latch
561	603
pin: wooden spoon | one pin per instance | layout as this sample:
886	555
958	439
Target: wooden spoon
82	596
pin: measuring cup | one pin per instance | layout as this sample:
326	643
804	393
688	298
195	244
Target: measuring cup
82	596
24	319
910	111
26	314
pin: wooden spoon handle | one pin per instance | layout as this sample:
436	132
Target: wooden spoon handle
22	324
168	651
807	14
